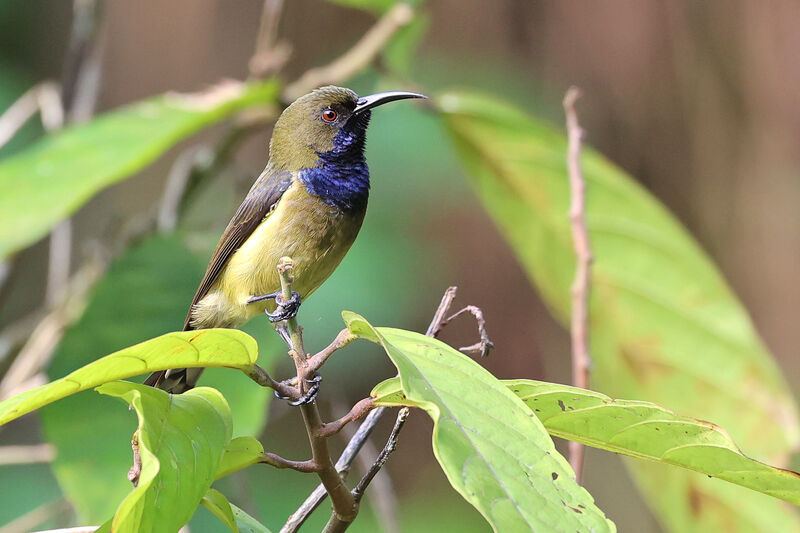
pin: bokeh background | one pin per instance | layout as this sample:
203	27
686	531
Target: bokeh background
698	101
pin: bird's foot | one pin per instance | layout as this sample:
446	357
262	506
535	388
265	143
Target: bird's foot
286	309
308	397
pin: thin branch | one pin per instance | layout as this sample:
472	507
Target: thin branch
342	339
391	445
483	346
279	462
344	506
296	520
581	360
26	454
270	54
30	520
357	58
358	411
350	452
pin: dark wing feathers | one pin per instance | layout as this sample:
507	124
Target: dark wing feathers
263	195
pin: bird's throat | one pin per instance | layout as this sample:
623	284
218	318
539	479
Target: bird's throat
341	176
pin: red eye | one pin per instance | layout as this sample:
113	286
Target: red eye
329	115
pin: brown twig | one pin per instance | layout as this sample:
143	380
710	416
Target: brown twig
344	506
26	454
279	462
270	54
581	361
391	445
355	444
358	412
355	59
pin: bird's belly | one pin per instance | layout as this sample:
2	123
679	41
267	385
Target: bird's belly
315	235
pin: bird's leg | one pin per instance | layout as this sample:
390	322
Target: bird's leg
308	397
283	332
286	309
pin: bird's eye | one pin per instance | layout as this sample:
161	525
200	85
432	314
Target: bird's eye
329	115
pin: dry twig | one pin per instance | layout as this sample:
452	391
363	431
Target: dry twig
581	361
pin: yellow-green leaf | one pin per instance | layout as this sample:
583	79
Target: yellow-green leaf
495	453
664	324
181	441
240	453
50	180
202	348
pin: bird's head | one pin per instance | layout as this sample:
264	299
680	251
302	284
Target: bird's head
328	120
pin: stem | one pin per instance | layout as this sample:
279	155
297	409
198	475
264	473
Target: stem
345	507
581	361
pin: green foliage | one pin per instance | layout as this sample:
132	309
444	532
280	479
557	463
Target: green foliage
664	324
181	441
648	431
212	347
494	452
400	50
234	518
240	453
53	178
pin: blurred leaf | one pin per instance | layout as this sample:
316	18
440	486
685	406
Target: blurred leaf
374	6
217	503
212	347
181	441
494	452
145	293
664	325
52	179
399	53
246	523
233	517
240	453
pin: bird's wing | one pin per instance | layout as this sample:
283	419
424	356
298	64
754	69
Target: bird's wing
263	195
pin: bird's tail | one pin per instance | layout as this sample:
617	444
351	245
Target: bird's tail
175	380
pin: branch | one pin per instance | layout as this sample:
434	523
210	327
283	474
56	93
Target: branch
391	445
355	444
344	505
357	58
581	361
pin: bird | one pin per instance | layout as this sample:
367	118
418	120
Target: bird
308	203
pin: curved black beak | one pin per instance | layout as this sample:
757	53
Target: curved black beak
373	100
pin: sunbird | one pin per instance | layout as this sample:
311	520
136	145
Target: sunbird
308	203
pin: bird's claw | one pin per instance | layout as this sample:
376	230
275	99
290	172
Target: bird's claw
286	309
308	397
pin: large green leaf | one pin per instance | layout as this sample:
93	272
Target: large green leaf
212	347
639	429
664	324
155	280
494	452
648	431
50	180
181	441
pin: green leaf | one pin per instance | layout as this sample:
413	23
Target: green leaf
181	441
495	453
210	347
374	6
648	431
400	51
664	324
237	520
246	523
53	178
217	503
240	453
156	281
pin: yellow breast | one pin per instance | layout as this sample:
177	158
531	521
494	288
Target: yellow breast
315	235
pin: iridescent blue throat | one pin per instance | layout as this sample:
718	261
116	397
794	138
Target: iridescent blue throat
341	177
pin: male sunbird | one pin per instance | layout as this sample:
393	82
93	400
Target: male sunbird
308	203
